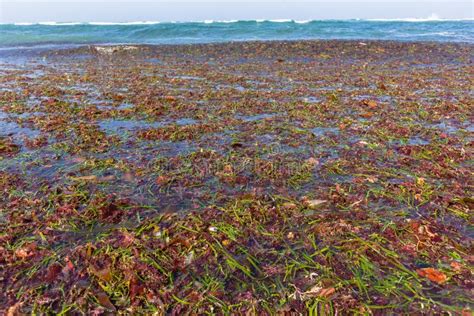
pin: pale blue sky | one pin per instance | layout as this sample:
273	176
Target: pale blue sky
126	11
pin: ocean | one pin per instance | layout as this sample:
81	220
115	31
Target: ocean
54	33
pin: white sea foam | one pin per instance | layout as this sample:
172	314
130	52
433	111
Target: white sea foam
103	23
280	20
52	23
230	21
125	23
273	21
431	18
141	23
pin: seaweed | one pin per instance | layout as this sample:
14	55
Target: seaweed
318	177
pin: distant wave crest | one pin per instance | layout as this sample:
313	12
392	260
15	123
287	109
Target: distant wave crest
432	18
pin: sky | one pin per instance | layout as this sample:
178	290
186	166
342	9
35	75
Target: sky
15	11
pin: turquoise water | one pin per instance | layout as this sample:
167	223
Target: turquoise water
17	35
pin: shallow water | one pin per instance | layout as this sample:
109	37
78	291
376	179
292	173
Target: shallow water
323	131
258	117
186	121
116	126
312	99
13	129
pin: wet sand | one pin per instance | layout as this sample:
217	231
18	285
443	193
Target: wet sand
261	177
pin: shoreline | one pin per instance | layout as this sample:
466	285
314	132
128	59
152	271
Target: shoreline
51	49
362	39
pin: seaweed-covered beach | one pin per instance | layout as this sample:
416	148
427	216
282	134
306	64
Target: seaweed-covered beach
314	177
